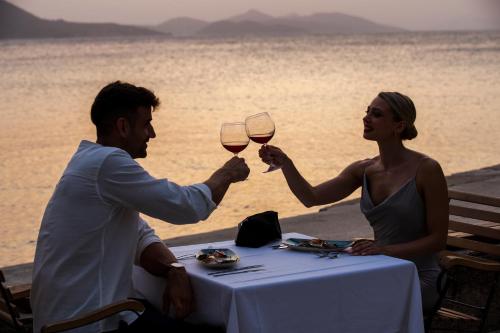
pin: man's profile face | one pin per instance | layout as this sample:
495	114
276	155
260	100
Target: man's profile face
141	130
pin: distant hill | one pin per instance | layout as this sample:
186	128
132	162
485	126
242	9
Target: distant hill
336	23
253	16
254	22
18	23
229	28
181	26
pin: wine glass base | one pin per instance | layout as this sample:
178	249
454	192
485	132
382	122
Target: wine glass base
272	168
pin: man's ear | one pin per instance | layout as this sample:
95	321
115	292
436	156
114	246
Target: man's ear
123	127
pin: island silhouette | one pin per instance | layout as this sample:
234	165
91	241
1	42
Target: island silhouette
18	23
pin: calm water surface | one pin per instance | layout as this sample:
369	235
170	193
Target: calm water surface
315	88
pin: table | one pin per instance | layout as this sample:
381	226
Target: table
300	292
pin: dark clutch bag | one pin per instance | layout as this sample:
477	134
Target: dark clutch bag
258	230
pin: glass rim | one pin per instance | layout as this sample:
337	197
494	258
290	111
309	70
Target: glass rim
258	114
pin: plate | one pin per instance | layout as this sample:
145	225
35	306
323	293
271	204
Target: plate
217	258
315	244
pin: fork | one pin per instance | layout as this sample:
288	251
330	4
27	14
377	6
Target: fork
329	255
280	246
321	254
333	255
185	256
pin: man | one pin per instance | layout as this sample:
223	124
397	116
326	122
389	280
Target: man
91	233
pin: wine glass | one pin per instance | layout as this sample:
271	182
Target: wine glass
233	137
260	129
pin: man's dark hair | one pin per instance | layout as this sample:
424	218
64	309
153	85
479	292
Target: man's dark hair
119	99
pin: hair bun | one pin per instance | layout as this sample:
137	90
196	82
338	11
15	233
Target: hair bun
410	132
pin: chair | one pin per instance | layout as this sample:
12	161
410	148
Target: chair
15	309
92	317
471	266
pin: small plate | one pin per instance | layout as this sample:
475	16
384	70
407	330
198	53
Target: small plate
315	244
217	258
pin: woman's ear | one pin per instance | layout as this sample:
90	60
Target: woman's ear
123	127
400	127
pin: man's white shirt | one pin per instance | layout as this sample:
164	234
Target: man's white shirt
91	232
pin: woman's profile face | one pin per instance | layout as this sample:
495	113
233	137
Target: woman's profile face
379	123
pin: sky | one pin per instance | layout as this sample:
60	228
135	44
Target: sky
409	14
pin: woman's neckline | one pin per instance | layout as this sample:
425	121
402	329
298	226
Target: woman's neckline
405	184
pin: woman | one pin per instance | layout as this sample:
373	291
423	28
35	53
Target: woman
404	192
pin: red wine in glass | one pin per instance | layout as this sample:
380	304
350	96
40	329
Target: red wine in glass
233	137
262	138
235	149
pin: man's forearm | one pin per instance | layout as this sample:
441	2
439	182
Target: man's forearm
155	259
234	170
178	293
219	184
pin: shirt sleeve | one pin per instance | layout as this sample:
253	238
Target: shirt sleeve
147	237
122	180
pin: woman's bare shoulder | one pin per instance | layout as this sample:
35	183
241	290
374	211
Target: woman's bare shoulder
358	168
428	169
426	163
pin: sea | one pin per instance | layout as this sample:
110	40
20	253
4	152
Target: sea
316	89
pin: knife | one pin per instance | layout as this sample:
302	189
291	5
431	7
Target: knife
229	270
238	272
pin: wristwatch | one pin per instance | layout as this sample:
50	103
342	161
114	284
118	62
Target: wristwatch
174	266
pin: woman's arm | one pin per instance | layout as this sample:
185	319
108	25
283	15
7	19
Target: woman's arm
330	191
431	181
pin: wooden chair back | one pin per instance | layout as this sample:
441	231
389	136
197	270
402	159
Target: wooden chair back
16	312
14	305
473	243
94	316
474	223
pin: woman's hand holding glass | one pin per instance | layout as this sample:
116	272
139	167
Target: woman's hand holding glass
273	156
260	129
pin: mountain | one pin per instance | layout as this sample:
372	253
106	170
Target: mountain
181	26
251	15
229	28
335	23
254	22
18	23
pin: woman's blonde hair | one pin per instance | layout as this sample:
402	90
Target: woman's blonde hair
404	110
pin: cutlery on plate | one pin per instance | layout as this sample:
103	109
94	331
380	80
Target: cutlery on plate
229	270
239	272
279	246
185	256
329	255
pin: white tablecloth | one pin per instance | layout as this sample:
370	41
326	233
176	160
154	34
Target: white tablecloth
299	292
